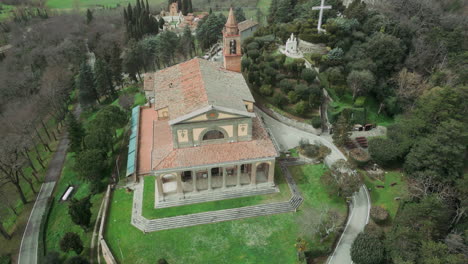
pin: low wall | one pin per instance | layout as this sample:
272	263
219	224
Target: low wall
293	123
106	252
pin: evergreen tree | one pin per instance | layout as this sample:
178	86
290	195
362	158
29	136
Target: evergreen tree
239	14
89	16
161	23
103	75
187	44
80	211
184	7
76	133
116	64
86	86
190	8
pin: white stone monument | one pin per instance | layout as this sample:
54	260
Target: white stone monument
291	45
321	8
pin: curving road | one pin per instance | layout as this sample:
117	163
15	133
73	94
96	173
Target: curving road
288	137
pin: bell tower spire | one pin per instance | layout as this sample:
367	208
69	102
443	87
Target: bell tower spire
232	44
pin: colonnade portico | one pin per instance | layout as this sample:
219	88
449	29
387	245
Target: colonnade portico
214	178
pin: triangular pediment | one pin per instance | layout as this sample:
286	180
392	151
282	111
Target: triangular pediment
211	113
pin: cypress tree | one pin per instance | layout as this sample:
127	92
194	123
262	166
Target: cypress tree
190	9
86	85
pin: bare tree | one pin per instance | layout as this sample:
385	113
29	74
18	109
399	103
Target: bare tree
410	86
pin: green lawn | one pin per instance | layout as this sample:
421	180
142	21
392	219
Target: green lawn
59	221
268	239
150	212
385	197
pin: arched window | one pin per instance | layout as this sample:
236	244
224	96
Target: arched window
233	46
213	134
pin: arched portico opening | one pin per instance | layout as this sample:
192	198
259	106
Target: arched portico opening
262	172
169	183
213	134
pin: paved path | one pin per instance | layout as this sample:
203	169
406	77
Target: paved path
29	244
152	225
358	219
288	137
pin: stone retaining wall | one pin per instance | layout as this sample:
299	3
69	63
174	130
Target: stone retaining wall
106	252
292	122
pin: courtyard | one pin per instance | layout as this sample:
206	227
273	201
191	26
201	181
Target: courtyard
267	239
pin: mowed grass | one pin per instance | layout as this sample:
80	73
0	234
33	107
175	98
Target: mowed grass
59	221
151	213
69	4
268	239
385	197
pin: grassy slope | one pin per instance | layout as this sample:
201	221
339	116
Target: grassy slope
150	212
385	197
268	239
6	11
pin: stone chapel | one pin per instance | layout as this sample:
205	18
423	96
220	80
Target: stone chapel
200	135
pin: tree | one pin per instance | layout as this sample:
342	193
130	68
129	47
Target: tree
367	249
360	82
86	86
308	75
284	12
102	71
89	16
126	101
441	153
110	117
76	133
410	86
80	212
239	14
116	64
187	43
437	252
386	51
209	30
89	164
71	241
341	131
384	151
342	179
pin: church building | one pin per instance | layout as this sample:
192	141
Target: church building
200	135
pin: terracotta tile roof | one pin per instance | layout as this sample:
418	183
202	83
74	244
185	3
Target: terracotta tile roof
198	83
165	157
158	137
246	24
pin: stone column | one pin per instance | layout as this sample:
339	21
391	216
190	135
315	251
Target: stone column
224	177
160	188
209	179
238	175
253	174
194	181
271	174
180	188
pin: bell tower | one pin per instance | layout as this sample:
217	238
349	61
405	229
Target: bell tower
232	44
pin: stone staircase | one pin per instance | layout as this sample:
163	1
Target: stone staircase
166	223
210	196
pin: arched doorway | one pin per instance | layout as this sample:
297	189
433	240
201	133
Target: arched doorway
262	172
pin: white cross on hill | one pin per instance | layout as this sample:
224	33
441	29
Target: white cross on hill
321	8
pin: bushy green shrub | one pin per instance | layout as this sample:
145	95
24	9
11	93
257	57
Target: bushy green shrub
367	249
316	122
253	46
316	57
286	86
308	75
279	100
266	90
300	108
292	97
360	157
359	102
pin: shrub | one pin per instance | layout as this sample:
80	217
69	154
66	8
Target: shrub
253	46
383	151
316	122
316	57
302	91
367	249
303	143
379	215
71	241
311	151
300	108
279	100
253	54
323	152
359	102
292	97
5	259
266	90
286	86
245	63
308	75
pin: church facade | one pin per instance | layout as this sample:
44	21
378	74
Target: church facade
200	135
